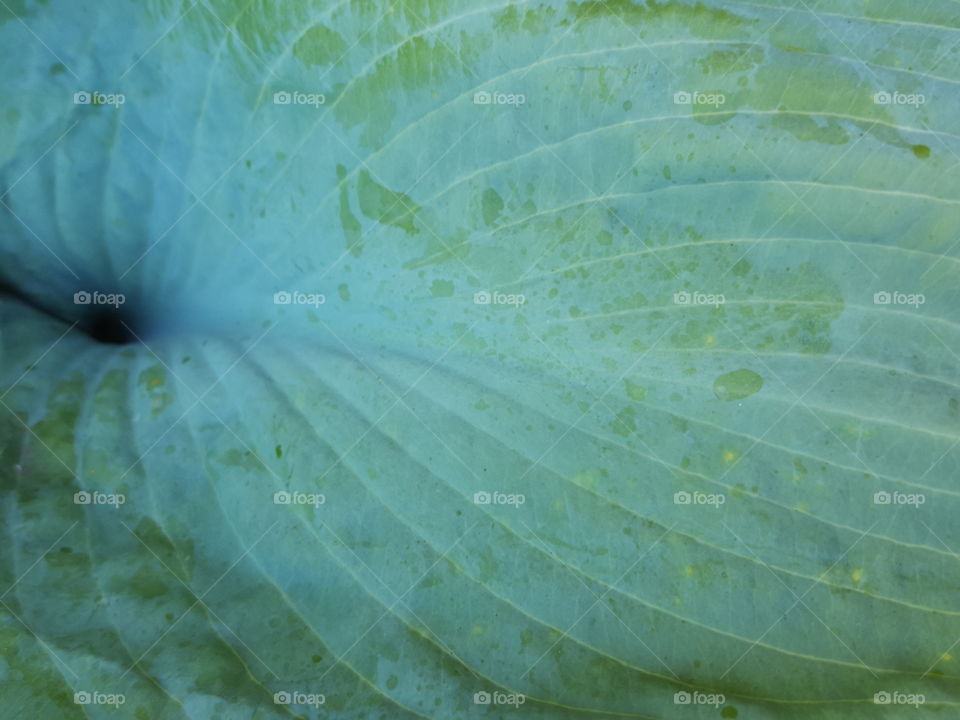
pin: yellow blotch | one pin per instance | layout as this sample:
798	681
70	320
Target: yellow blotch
946	657
710	340
856	575
729	455
688	571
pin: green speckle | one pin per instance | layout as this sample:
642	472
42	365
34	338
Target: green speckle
625	422
737	385
348	221
441	288
278	450
392	682
635	392
699	19
740	58
58	68
741	268
805	128
246	460
534	21
666	172
627	105
319	46
729	712
386	206
153	379
492	206
343	290
921	151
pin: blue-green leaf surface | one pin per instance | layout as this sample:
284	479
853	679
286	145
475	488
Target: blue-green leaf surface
480	360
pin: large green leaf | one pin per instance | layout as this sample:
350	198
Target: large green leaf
634	385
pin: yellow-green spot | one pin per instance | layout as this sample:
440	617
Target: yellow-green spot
319	46
805	128
153	380
441	288
492	206
737	385
348	221
635	392
385	205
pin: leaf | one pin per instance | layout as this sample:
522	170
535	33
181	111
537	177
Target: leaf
445	360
